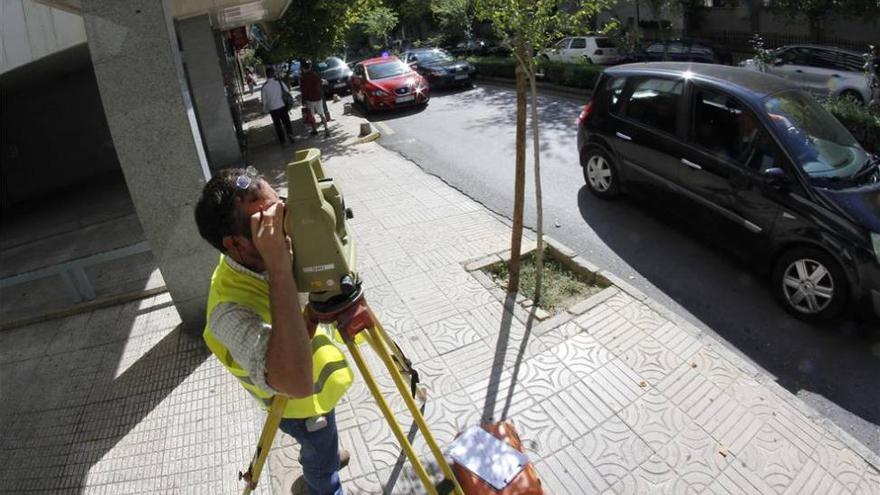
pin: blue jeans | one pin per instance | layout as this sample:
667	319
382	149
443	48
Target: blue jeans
319	454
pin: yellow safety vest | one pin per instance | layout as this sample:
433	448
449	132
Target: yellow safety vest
331	371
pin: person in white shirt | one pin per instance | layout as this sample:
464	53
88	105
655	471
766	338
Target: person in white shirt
273	102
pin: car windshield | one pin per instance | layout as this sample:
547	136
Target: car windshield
388	69
330	64
433	56
820	145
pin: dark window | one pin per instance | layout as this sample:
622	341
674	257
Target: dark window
852	63
577	43
727	129
795	56
605	43
563	43
676	47
614	87
703	50
654	102
655	48
825	59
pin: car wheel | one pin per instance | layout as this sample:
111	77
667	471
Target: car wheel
852	95
600	173
810	284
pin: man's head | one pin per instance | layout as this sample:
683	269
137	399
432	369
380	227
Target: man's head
307	66
270	73
223	213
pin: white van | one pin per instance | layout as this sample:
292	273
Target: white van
590	49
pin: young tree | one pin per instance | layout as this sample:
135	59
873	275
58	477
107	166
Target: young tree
530	25
378	22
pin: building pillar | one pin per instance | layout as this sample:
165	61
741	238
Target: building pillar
203	68
137	64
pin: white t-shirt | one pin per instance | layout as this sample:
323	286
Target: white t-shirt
270	94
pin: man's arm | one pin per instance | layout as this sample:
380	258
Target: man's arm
289	354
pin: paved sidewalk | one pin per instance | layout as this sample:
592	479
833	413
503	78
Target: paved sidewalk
621	397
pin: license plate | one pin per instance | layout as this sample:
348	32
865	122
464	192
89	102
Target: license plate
461	76
339	85
404	99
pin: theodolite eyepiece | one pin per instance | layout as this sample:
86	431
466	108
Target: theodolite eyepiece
324	251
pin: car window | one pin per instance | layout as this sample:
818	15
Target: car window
795	56
577	43
654	102
614	87
697	49
434	56
676	47
852	63
563	43
655	48
387	69
825	59
724	127
605	43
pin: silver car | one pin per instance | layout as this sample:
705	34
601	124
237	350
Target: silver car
824	71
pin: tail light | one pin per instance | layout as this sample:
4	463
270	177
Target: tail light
585	113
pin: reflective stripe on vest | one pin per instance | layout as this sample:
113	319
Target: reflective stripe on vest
331	371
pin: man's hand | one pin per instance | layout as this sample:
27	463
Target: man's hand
267	231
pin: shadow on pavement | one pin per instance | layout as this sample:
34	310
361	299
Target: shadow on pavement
835	362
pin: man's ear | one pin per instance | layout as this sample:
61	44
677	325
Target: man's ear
230	245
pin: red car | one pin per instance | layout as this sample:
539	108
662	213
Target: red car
384	83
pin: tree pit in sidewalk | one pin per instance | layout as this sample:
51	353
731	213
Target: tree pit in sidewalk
561	287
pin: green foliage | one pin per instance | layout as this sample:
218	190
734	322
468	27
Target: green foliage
249	58
561	286
317	28
379	21
494	66
764	56
454	17
862	121
580	75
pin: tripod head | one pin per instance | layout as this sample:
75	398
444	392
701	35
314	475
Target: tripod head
324	251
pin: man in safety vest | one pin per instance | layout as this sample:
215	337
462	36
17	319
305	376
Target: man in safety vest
255	325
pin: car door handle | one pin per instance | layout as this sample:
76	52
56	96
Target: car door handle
691	164
799	71
836	75
623	136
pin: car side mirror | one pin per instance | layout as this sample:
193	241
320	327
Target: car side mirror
776	179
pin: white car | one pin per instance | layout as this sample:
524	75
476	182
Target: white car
824	71
590	49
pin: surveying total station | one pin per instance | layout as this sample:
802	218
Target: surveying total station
324	266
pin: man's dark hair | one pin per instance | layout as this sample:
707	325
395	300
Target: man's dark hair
269	72
217	215
307	65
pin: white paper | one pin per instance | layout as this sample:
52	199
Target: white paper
493	460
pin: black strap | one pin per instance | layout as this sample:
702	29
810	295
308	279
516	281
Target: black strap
413	373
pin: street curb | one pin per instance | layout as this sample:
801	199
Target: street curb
83	308
368	138
544	87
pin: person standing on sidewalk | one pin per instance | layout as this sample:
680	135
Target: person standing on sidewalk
272	96
255	325
313	97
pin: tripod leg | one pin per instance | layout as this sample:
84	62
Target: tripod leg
380	338
270	428
389	416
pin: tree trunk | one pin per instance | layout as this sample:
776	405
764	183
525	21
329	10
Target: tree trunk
536	145
519	184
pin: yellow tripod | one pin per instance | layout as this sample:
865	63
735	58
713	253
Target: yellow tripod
352	319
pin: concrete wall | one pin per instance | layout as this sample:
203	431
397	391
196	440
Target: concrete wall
54	135
30	31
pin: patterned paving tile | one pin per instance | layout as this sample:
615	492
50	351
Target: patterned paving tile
737	478
544	375
568	472
652	476
597	317
640	315
870	483
772	458
500	397
616	384
677	340
613	449
730	422
813	479
758	399
539	431
475	363
654	419
451	333
692	392
619	300
617	335
696	457
582	354
842	463
719	370
577	410
795	427
651	360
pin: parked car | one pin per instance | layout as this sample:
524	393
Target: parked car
781	181
293	71
439	67
383	83
824	71
336	74
686	50
590	49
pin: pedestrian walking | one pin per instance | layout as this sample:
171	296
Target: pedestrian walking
249	79
277	101
255	324
313	97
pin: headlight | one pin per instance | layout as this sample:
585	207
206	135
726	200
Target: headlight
379	92
875	241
